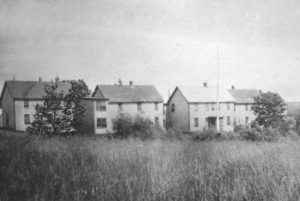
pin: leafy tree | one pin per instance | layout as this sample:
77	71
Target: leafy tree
269	108
61	113
73	109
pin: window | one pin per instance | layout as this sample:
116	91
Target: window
196	122
246	120
213	107
26	104
234	108
139	106
228	106
101	123
246	107
100	106
156	120
164	122
207	107
156	106
234	120
196	107
173	107
120	107
26	119
228	121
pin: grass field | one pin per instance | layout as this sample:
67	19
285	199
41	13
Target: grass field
34	168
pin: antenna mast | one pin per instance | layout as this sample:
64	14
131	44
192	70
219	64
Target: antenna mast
218	102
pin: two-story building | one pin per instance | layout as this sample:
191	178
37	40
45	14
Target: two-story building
133	100
243	114
19	98
194	108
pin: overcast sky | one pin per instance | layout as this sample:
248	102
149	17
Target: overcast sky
164	43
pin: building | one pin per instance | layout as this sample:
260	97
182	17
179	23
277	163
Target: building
133	100
243	114
194	108
19	98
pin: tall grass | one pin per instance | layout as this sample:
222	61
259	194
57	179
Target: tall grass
34	168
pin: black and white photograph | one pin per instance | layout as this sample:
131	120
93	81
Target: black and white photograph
150	100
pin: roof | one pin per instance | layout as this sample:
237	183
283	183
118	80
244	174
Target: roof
293	108
244	95
31	89
205	94
127	93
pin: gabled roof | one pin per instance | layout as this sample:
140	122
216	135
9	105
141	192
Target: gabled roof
201	94
30	89
244	95
127	93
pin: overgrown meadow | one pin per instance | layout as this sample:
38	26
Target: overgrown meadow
78	168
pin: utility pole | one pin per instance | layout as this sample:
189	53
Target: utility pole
218	103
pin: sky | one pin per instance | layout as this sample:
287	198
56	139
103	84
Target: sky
163	43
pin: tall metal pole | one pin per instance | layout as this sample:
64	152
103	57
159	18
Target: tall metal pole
218	103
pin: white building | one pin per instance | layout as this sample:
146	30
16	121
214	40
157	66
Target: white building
133	100
194	108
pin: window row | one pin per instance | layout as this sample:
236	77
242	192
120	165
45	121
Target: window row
211	107
228	121
101	106
102	122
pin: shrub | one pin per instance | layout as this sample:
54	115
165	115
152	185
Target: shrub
125	126
206	134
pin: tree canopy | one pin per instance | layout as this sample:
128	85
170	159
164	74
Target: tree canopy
61	113
269	108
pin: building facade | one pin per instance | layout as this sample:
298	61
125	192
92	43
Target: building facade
19	99
132	100
194	108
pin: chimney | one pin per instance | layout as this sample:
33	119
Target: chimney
57	79
131	83
40	79
233	87
205	84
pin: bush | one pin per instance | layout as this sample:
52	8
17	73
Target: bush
126	126
206	134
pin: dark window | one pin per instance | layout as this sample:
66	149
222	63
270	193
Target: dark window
246	107
26	104
156	120
173	107
213	107
228	106
101	123
26	119
156	106
228	121
207	107
101	106
120	107
196	122
246	120
139	106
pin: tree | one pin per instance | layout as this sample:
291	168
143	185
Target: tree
73	109
269	109
61	113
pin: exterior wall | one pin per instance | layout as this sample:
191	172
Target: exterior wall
205	110
88	124
241	113
8	113
112	112
178	119
20	111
